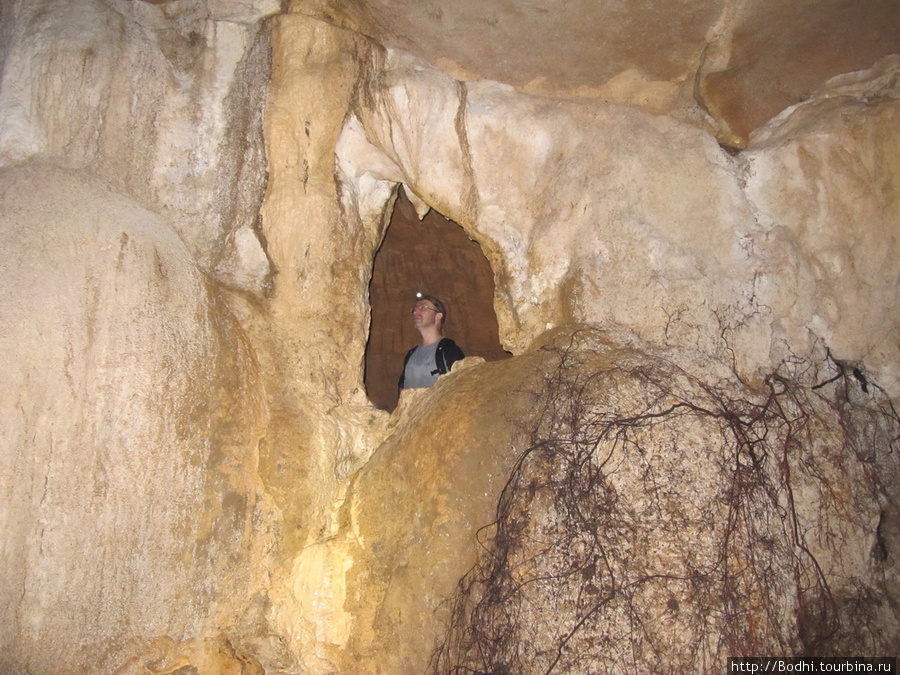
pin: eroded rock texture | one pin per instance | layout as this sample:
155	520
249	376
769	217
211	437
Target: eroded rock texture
725	65
160	103
703	254
691	451
647	521
130	402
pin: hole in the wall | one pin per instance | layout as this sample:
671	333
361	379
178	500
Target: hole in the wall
434	256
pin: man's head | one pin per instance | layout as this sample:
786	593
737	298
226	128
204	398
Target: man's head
428	311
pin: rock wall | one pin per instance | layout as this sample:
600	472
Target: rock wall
193	477
660	234
647	520
165	104
821	181
131	406
134	527
727	66
660	231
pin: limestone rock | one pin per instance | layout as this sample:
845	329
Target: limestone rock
194	478
822	181
127	466
648	521
409	525
658	523
724	65
619	218
745	80
166	107
581	233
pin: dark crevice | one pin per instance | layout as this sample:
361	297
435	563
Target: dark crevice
434	256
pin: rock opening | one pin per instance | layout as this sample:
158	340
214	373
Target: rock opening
434	256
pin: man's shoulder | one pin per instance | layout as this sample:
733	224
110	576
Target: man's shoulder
447	343
448	346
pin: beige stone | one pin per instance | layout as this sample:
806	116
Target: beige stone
720	64
662	237
163	106
130	402
192	476
821	178
706	523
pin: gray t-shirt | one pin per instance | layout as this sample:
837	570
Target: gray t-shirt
421	369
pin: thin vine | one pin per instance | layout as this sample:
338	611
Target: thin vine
604	558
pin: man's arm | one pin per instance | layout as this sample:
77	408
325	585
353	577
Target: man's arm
448	354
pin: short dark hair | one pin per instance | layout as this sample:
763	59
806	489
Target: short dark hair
438	305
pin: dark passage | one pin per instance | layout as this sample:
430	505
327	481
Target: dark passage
433	256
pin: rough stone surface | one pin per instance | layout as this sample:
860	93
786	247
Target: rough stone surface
396	556
311	332
654	521
130	401
159	102
192	477
718	63
660	231
822	180
820	42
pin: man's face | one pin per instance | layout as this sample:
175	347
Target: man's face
424	314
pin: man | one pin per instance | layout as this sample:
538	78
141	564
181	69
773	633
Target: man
436	354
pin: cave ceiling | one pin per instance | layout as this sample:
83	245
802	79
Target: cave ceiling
733	63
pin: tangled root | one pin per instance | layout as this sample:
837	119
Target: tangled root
657	523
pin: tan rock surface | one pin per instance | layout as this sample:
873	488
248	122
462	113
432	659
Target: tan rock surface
818	41
414	512
655	522
130	403
193	479
407	531
620	218
163	104
822	179
721	64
